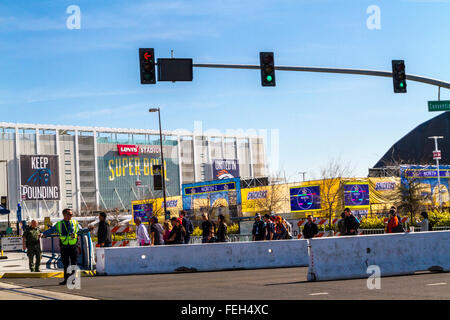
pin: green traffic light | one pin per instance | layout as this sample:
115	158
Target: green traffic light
402	84
269	78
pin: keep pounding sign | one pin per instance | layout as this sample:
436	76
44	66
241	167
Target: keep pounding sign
39	177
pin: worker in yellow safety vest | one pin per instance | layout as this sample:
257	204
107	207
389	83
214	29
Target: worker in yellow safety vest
68	236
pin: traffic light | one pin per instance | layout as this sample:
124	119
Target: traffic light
147	66
399	76
267	64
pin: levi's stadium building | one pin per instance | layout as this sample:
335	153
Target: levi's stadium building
46	168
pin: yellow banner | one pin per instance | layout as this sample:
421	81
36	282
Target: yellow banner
174	205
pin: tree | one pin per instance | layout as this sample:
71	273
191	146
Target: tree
410	197
331	176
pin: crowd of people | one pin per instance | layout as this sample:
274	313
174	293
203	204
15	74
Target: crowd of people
178	230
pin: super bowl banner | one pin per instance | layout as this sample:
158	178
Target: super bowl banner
225	169
305	198
427	178
214	193
356	195
39	176
118	175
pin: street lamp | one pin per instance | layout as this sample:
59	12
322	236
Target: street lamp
437	166
162	162
303	173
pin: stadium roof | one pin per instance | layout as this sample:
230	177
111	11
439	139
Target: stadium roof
416	148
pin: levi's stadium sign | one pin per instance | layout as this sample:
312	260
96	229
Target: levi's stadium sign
135	150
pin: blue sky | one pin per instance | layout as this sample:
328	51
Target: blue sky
53	75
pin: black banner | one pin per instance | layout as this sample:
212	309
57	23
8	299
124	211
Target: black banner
157	177
39	177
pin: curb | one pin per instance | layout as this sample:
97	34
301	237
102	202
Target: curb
58	274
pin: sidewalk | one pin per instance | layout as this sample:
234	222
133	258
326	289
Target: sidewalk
15	292
16	266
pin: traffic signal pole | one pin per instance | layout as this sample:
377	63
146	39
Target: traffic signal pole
376	73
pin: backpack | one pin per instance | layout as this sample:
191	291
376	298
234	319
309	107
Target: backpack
189	227
399	228
430	226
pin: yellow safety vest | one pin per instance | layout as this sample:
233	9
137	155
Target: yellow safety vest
68	238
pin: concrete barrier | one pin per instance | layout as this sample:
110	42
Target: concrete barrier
202	257
396	254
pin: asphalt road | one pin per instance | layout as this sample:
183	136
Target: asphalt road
265	284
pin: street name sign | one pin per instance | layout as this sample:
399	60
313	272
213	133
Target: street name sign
443	105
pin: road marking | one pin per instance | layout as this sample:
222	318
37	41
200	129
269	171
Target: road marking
318	294
437	284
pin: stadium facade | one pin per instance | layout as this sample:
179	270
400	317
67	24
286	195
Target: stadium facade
46	168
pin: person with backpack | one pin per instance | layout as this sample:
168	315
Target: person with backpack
156	232
400	227
341	225
351	223
392	225
187	224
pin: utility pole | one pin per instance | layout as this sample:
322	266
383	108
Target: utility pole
437	156
167	216
302	173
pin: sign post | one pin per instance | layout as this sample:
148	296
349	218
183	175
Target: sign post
443	105
437	156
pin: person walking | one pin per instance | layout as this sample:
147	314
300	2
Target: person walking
259	230
31	242
310	229
141	233
280	229
341	225
288	227
222	230
167	226
104	231
207	229
67	230
270	227
425	223
188	226
156	232
351	223
178	232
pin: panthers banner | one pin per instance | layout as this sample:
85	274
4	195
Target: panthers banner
39	177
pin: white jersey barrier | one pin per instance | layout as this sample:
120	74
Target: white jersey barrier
202	257
349	257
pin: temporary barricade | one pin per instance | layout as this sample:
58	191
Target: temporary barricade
202	257
351	257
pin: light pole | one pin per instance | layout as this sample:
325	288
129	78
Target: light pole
437	165
162	162
303	173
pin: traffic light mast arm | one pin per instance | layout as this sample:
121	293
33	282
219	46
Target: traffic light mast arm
376	73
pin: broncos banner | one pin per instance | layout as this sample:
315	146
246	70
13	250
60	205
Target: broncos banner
39	177
225	169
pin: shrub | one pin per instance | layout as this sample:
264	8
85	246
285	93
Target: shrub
372	222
